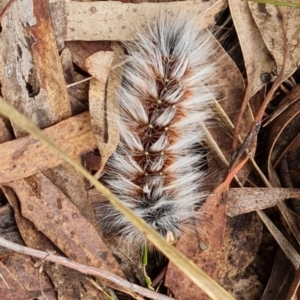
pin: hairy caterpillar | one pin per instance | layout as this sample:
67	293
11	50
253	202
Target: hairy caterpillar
163	103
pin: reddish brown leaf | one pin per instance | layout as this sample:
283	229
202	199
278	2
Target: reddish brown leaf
53	214
26	156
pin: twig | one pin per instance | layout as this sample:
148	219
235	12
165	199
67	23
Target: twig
110	279
258	118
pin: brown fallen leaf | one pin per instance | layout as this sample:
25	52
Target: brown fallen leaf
256	55
53	214
26	156
245	200
241	241
33	84
46	57
13	268
103	109
284	40
88	21
14	285
68	283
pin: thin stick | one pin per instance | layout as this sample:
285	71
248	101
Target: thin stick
261	111
90	77
117	282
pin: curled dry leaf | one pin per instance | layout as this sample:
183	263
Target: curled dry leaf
284	138
288	100
103	107
99	65
279	27
26	156
257	58
88	21
284	129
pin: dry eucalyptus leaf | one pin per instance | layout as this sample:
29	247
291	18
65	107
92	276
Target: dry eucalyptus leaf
99	64
239	250
47	63
279	27
58	22
24	288
242	239
114	21
26	156
256	55
245	200
230	96
13	268
53	214
30	66
73	185
103	109
250	288
68	283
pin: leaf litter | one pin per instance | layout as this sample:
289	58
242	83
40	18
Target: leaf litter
45	48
